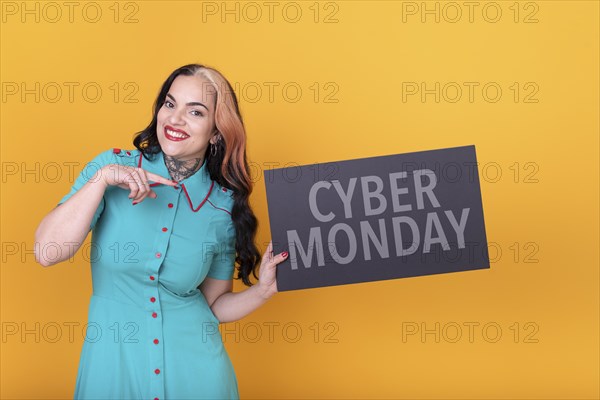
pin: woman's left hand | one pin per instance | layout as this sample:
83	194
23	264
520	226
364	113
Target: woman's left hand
266	275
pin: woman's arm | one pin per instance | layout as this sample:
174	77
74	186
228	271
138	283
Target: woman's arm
228	306
61	233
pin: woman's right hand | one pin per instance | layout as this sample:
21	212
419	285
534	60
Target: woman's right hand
133	179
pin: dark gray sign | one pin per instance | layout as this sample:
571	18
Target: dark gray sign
377	218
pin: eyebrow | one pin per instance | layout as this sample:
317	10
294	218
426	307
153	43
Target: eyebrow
193	103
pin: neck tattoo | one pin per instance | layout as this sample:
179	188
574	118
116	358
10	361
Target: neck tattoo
180	170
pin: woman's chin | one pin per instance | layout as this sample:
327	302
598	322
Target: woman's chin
168	147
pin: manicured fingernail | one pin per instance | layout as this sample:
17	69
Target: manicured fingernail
284	254
134	203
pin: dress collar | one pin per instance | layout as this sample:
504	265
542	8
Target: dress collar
196	187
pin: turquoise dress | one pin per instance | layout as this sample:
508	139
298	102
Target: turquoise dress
150	332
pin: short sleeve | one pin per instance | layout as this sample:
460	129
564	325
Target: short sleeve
223	263
88	172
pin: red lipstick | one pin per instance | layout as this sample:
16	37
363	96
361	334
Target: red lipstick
182	135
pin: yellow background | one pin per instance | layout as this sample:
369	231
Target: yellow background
548	209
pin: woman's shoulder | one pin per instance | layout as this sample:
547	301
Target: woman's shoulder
125	155
116	155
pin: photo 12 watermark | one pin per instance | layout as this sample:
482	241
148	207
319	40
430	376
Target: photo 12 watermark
470	92
69	92
471	12
254	12
470	332
70	12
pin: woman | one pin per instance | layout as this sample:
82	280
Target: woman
164	248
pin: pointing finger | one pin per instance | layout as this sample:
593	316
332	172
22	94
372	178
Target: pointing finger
160	179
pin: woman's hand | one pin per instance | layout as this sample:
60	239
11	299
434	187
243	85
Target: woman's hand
266	275
132	178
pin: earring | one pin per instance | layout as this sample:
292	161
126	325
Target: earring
213	148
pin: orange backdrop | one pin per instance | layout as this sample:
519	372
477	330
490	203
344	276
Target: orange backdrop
317	82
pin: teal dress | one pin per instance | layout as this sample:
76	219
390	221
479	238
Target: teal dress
150	332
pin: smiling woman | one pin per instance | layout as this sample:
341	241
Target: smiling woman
184	125
181	199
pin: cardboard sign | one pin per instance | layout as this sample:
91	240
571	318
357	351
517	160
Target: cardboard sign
377	218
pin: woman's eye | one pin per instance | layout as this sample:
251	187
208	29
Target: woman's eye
168	104
196	113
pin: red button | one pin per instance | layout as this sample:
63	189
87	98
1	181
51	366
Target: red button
151	277
175	187
158	255
128	153
164	229
156	398
154	315
225	189
157	371
116	150
155	341
170	205
152	299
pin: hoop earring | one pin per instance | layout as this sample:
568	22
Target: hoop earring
213	148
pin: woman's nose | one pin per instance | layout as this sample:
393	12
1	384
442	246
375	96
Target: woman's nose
176	117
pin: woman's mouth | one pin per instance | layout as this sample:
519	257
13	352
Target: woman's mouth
175	135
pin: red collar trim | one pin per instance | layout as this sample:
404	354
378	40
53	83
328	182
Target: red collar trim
212	184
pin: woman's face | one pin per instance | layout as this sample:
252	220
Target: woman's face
186	120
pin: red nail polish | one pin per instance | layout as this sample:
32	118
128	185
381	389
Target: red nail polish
284	254
134	203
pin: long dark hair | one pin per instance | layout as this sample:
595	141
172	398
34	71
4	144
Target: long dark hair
228	167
